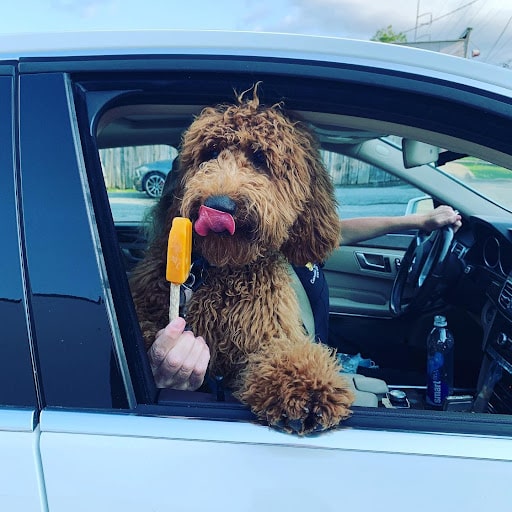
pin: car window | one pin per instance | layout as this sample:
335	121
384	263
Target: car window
491	180
363	188
366	190
134	177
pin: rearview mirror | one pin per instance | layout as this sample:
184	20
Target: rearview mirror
417	153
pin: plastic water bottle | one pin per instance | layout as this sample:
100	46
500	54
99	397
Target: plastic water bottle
440	348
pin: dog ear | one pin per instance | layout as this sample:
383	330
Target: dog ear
316	232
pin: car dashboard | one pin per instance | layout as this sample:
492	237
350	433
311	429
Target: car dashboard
485	288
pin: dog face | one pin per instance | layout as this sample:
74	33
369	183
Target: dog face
252	183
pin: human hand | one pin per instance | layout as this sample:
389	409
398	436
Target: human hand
178	358
442	216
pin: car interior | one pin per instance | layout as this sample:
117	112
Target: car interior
470	283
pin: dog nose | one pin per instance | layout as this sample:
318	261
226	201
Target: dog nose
221	203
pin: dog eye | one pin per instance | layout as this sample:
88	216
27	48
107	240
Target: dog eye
210	153
258	159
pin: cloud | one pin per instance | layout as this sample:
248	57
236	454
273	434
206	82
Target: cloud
86	8
491	21
346	18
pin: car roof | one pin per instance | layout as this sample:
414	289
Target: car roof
48	46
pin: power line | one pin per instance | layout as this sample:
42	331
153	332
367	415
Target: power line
499	37
444	15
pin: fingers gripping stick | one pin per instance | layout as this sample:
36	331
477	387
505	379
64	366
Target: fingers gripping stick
179	250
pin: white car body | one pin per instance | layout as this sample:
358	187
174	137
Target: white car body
60	459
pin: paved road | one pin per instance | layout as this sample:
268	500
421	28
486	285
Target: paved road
129	206
374	201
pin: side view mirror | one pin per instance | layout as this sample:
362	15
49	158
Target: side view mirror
420	204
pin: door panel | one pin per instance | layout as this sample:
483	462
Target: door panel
360	277
21	482
126	462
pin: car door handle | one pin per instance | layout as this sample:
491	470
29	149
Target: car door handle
372	261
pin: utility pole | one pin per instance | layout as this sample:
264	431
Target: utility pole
465	37
418	16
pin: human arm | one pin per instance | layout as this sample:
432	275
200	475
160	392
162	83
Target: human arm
363	228
178	358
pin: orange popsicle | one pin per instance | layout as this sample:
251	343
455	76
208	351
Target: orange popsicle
179	254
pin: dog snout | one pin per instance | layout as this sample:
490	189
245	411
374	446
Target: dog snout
221	203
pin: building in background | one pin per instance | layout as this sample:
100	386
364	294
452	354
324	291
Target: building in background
459	47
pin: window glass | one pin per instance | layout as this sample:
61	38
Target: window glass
365	190
71	322
134	177
491	180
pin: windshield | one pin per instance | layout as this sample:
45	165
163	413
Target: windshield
488	179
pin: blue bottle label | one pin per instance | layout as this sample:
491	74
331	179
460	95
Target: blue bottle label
437	388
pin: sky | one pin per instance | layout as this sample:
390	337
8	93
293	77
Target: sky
419	20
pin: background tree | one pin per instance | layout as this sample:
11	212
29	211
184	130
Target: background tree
388	35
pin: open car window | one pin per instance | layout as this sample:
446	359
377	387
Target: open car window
365	162
134	178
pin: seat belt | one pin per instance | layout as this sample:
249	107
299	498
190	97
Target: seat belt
367	390
304	304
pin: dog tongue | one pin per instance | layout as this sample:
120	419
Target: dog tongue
214	220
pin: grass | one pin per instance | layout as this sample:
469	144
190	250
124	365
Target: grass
485	170
120	190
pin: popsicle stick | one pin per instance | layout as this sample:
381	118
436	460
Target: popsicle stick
174	301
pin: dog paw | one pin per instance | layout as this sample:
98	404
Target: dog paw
299	390
323	409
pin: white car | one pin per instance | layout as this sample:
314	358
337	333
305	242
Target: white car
82	425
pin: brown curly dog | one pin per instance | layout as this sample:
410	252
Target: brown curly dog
253	184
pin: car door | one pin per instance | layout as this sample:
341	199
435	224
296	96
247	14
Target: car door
134	462
361	275
108	439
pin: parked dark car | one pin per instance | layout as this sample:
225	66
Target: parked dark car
82	424
150	177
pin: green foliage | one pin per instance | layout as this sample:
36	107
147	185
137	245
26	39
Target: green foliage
485	170
388	35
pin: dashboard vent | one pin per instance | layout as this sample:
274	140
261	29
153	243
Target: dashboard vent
500	401
505	299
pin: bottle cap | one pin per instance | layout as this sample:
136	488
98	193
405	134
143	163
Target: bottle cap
397	397
439	321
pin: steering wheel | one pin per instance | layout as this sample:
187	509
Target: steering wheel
421	270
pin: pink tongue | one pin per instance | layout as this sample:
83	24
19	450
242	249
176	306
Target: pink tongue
213	220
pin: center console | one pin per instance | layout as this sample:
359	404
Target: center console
494	390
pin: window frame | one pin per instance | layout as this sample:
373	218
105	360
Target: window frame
343	89
79	365
16	349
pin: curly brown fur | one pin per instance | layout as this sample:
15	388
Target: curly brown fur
268	167
305	377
